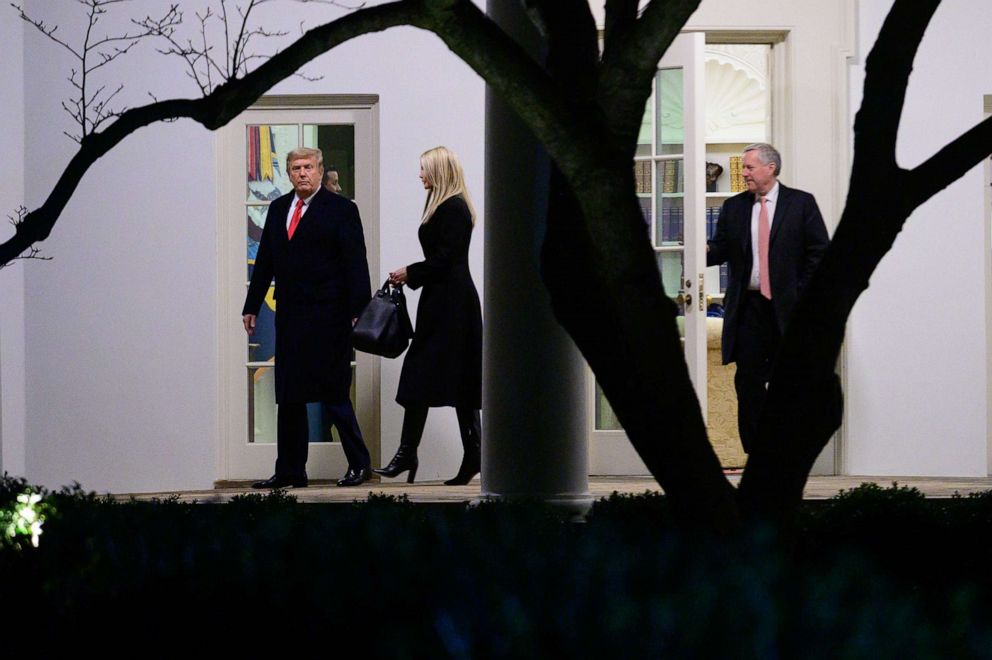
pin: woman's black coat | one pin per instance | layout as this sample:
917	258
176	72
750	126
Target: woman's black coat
444	364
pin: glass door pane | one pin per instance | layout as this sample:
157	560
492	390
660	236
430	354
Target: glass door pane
266	179
669	88
661	184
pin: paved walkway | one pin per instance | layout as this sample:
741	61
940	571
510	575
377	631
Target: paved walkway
434	492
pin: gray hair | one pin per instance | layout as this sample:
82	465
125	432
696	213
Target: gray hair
305	153
766	154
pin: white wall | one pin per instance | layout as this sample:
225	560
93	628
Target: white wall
122	355
121	348
917	347
12	277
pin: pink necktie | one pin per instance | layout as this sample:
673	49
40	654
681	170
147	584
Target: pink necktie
764	232
298	213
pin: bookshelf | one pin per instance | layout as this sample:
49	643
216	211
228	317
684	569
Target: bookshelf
723	153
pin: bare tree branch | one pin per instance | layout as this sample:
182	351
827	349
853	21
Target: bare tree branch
950	163
523	84
213	110
33	252
91	110
45	29
629	63
621	16
884	95
206	70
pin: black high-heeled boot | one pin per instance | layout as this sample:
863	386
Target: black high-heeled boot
471	432
405	459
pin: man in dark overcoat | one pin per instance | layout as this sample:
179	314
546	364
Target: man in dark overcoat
314	247
772	237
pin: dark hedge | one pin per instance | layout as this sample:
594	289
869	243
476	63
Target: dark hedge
873	573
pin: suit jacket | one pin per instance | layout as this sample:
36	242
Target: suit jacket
322	282
797	241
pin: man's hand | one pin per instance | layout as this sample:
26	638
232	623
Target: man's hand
249	321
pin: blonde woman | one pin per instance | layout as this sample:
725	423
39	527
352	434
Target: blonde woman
444	364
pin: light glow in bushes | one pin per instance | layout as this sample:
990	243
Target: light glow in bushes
25	519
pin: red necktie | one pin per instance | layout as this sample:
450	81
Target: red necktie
764	233
297	214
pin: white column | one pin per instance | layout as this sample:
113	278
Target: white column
535	433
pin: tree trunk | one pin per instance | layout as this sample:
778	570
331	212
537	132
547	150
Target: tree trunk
607	292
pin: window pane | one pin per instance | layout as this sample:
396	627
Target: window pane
644	147
668	84
606	419
337	143
671	209
267	148
262	404
643	186
254	226
671	266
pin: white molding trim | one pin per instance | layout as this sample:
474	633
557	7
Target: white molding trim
987	178
230	141
846	54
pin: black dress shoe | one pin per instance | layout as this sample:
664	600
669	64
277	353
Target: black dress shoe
276	481
355	477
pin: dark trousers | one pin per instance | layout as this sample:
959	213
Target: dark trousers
756	346
292	440
414	418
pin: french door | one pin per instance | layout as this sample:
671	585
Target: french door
251	154
670	176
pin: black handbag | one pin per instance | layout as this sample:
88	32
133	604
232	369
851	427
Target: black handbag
383	328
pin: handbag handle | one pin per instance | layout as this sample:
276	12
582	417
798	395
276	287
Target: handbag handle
384	289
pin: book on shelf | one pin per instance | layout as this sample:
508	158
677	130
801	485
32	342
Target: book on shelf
712	216
666	224
642	176
672	227
669	176
737	175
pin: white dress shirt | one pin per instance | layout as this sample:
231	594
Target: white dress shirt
292	207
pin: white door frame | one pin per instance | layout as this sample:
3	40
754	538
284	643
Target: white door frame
810	128
987	110
237	459
610	451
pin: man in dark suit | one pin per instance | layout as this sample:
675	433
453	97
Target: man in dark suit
314	246
772	237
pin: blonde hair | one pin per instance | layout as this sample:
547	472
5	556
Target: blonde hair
444	174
